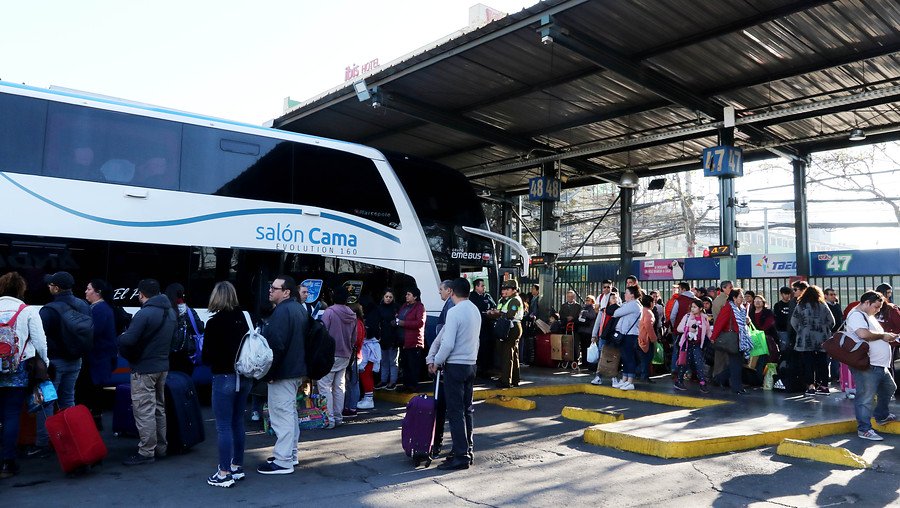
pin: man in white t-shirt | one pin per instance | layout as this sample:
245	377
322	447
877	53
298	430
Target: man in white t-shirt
877	380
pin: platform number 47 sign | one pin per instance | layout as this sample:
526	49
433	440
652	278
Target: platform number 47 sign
839	263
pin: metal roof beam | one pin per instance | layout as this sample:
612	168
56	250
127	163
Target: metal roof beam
734	26
608	58
416	109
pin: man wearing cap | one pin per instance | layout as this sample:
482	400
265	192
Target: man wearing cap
145	344
511	308
65	363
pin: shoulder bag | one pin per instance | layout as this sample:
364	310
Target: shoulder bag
618	338
847	350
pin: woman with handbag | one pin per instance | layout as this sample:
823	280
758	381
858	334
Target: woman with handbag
604	326
628	316
763	319
813	322
224	332
22	341
730	337
694	332
411	322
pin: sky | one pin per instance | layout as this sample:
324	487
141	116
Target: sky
238	60
235	60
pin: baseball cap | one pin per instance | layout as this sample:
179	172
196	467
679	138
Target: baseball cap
62	280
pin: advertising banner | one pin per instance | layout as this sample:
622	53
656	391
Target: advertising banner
771	265
855	262
662	269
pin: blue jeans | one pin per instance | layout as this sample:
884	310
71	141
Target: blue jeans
459	381
629	356
64	377
643	370
869	383
784	338
228	408
11	399
352	376
389	369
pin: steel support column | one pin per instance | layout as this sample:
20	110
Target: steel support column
626	234
548	223
727	226
506	216
801	217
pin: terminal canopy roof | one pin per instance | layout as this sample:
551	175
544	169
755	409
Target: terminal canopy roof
607	85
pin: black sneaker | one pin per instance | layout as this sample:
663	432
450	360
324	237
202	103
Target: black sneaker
138	460
217	481
704	388
272	459
273	468
8	469
237	472
678	385
811	391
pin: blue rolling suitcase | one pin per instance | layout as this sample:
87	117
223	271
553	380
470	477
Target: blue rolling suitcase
184	421
123	415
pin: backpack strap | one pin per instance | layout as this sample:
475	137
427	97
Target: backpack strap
190	313
12	324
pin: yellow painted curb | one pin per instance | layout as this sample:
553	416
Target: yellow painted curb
595	416
395	397
821	453
655	397
891	428
530	391
512	402
599	436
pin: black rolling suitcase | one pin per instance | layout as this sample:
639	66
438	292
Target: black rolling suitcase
184	422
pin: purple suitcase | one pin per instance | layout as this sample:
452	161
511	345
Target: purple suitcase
417	431
123	415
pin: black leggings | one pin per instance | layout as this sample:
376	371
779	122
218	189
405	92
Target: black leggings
815	367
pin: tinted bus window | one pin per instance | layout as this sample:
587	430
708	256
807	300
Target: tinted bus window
21	134
235	165
342	181
439	195
105	146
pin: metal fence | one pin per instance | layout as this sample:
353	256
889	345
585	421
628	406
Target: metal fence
577	278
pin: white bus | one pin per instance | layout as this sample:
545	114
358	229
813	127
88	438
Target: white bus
101	187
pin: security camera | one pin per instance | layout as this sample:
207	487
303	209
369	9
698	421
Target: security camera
547	39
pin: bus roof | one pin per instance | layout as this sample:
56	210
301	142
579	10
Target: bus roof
124	105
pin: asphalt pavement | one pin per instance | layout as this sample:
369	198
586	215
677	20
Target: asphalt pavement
531	458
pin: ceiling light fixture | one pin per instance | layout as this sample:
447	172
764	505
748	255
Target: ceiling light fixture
857	134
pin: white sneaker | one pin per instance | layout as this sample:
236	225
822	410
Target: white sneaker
616	383
870	434
366	403
626	386
597	381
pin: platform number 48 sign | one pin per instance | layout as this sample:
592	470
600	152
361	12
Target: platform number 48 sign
839	263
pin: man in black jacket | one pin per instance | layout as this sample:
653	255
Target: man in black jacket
285	331
65	364
145	344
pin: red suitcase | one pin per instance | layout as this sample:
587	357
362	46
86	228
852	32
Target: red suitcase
75	438
542	355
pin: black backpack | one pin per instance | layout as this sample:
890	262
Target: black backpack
319	350
76	328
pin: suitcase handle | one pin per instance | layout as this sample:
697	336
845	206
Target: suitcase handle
437	383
